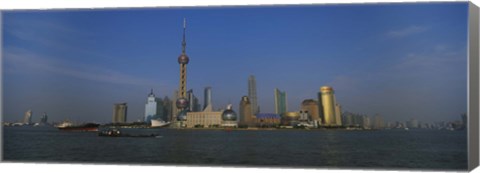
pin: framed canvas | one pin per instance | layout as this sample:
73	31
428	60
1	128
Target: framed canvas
389	86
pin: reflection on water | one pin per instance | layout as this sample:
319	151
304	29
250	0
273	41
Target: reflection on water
423	149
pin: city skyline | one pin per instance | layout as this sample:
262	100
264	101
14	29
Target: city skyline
108	77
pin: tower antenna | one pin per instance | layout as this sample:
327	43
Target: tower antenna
184	43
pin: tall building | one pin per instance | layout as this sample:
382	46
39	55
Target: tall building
207	98
366	123
328	103
338	114
44	118
153	108
173	116
193	101
182	102
280	101
378	122
245	110
311	108
167	109
320	107
252	94
27	118
120	113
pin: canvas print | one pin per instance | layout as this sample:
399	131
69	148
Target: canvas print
352	86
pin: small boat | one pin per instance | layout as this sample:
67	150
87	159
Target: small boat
117	133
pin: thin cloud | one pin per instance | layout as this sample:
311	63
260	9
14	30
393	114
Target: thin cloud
19	60
407	31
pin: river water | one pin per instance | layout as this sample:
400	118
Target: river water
384	149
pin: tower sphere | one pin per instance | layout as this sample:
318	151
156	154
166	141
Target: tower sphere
183	59
182	103
229	115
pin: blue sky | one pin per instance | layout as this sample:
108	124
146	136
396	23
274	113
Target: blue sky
399	60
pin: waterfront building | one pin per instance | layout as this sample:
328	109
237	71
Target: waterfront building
207	98
245	110
267	119
280	101
290	118
328	103
153	108
348	119
182	102
311	108
120	113
413	123
252	94
167	109
44	118
204	119
229	117
320	108
338	114
464	120
193	101
27	118
378	122
173	116
366	124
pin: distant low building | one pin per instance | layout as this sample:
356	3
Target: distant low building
267	119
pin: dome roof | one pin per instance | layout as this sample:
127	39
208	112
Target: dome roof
291	116
183	59
181	103
229	115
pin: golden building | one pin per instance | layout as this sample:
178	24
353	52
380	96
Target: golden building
328	103
120	113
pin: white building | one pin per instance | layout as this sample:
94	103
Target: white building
153	108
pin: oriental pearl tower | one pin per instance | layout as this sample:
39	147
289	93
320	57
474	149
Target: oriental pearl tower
182	102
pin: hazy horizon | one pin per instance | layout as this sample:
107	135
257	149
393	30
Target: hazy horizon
401	61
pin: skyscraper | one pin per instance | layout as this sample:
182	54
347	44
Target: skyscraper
182	102
280	101
328	103
338	114
120	113
27	118
153	108
44	118
167	109
252	94
193	101
207	97
245	109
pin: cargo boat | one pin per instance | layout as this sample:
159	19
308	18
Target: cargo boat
88	127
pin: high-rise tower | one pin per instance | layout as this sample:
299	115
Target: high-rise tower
328	103
207	97
182	102
245	108
27	119
280	101
252	94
